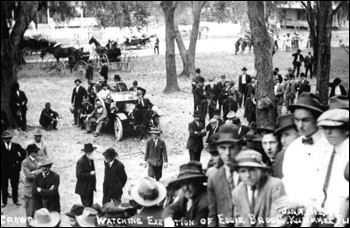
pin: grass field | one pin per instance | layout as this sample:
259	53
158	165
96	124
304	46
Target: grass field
66	143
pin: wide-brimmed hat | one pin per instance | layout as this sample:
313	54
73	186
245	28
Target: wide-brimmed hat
7	135
148	192
250	159
88	148
129	188
339	102
333	118
110	153
268	127
308	101
77	80
45	162
217	112
231	115
76	210
191	171
283	122
44	218
244	69
155	131
197	114
88	218
32	148
37	132
228	133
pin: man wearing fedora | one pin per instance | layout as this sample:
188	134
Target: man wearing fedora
207	108
156	155
212	128
310	152
309	62
198	94
243	80
48	118
193	205
45	218
18	106
212	88
222	183
12	155
303	85
220	86
115	178
291	90
254	197
142	112
98	116
136	88
297	60
78	94
30	169
149	194
230	117
195	140
287	132
104	70
86	176
251	87
45	187
40	143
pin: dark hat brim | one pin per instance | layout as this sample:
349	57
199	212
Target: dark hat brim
77	80
196	178
278	130
87	151
302	106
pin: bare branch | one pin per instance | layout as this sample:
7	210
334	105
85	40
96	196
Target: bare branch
338	7
303	3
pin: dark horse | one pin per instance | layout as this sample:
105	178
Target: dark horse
99	49
112	53
59	52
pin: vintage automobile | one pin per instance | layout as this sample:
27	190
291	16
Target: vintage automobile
121	106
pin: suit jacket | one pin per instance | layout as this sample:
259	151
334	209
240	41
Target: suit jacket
156	155
278	167
244	131
249	89
115	179
298	58
229	105
212	90
146	106
250	110
86	183
154	212
198	95
291	90
333	86
49	199
212	131
47	116
16	102
195	141
268	192
304	87
29	166
220	87
77	97
219	195
11	160
138	88
204	109
198	211
240	85
104	71
280	94
309	61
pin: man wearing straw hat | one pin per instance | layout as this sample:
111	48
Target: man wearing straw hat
195	140
45	187
45	218
86	176
193	205
156	155
40	143
12	155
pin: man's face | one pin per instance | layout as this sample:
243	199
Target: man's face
288	136
8	140
189	190
209	99
154	136
48	107
140	96
270	145
215	158
276	81
34	154
108	160
228	152
244	72
46	169
253	80
217	117
335	135
250	176
77	83
196	119
37	138
305	122
214	125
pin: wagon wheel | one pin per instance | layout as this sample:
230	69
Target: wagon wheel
57	68
118	129
119	65
80	67
127	66
50	62
100	58
134	55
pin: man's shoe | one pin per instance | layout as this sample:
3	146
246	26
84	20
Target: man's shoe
18	204
96	135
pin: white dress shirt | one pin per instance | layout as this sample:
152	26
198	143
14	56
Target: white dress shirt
305	166
337	91
250	194
244	81
8	146
234	175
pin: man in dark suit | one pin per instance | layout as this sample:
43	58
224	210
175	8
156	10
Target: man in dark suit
115	178
250	88
198	94
220	86
135	88
242	130
217	115
303	85
298	59
336	88
4	121
142	112
207	107
79	93
104	70
45	188
156	155
212	128
195	140
12	155
243	80
212	89
18	106
86	176
309	62
229	105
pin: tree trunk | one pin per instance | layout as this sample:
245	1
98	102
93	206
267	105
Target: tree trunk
324	50
183	53
263	63
10	47
171	82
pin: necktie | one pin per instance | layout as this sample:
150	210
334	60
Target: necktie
252	203
189	205
328	177
230	181
308	141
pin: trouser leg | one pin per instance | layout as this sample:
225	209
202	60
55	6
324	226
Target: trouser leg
99	127
14	185
192	155
24	120
30	208
87	201
198	155
4	188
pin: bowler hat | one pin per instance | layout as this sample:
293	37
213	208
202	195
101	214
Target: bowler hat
191	171
308	101
277	69
7	135
227	134
298	50
250	159
88	148
88	218
244	69
76	210
333	118
148	192
45	162
47	104
32	148
198	71
77	80
110	153
284	122
197	114
217	112
117	77
37	132
341	102
268	127
44	218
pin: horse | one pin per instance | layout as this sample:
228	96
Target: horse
112	53
201	30
99	49
59	52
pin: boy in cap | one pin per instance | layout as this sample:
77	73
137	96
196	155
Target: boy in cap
86	176
49	118
156	155
79	93
254	197
195	140
12	155
45	187
40	143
